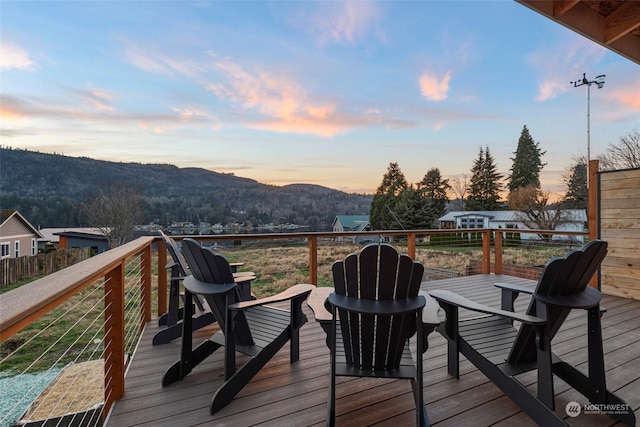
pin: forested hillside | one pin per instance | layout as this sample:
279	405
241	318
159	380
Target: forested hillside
48	189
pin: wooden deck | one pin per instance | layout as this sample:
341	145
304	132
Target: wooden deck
295	395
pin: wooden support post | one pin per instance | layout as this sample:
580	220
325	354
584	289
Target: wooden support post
162	277
146	285
486	252
411	245
313	260
592	204
114	336
592	211
497	252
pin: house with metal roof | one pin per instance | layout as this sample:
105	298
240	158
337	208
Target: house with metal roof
351	223
572	220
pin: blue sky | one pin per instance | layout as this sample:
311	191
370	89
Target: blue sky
325	93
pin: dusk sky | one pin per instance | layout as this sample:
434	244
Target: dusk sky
325	93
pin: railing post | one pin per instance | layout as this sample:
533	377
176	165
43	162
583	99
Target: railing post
486	252
162	278
114	336
497	252
592	210
411	245
313	260
146	285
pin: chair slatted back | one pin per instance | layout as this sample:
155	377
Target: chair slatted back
569	275
377	272
209	267
175	254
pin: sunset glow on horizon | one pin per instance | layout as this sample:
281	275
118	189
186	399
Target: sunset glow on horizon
325	93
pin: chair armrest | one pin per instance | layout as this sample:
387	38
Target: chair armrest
431	310
291	293
238	274
197	287
515	288
588	298
243	277
456	300
316	302
387	307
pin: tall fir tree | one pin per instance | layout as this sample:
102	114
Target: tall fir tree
576	196
484	186
433	188
385	200
527	163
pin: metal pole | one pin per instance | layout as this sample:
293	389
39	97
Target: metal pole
588	126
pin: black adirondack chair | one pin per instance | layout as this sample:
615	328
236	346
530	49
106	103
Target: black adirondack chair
172	319
375	310
252	327
500	350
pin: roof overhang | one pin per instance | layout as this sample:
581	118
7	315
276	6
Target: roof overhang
612	24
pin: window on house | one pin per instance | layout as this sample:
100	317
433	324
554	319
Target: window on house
33	247
4	250
16	248
471	222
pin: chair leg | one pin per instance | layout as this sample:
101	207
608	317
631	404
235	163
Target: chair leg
296	321
450	331
546	393
232	386
331	401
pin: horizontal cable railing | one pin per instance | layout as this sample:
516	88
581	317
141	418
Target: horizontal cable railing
66	338
74	331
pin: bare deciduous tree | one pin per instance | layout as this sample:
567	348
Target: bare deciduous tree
623	155
459	186
115	209
534	209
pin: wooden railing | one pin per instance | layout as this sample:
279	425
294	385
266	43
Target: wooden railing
21	307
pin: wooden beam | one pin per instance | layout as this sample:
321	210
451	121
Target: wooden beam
615	32
562	6
622	21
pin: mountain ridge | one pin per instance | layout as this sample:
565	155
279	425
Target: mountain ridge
48	190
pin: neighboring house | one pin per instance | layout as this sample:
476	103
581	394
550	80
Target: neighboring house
51	236
78	239
351	223
355	223
573	220
17	236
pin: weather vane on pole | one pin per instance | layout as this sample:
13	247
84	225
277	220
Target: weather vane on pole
599	80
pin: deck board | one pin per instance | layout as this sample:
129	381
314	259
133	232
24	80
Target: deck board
285	394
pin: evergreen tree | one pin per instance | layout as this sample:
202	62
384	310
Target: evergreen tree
527	163
576	196
385	199
434	190
484	186
411	210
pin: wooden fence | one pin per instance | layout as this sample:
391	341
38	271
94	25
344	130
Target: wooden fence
14	270
619	216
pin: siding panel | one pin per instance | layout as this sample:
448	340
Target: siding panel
619	216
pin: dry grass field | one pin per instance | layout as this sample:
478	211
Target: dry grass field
279	267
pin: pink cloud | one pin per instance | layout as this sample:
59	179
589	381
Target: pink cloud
344	21
434	88
12	56
283	102
549	89
629	97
